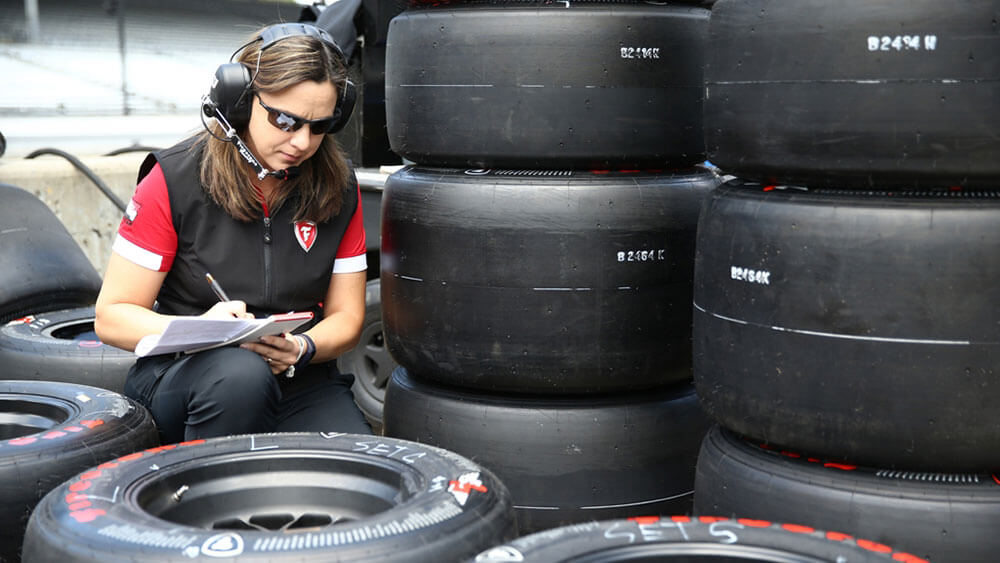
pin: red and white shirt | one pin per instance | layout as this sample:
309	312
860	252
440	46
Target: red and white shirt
146	235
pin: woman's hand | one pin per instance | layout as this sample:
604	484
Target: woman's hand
228	310
280	352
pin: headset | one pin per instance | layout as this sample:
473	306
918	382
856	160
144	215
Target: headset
229	99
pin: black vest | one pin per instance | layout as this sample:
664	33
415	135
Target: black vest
260	262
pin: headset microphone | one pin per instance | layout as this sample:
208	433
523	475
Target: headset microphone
287	173
211	109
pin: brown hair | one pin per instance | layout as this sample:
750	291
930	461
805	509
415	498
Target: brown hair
322	178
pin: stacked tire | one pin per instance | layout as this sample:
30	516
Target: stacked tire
537	259
47	292
845	334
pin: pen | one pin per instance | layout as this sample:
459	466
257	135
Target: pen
216	288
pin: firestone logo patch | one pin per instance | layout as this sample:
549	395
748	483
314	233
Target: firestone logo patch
305	233
131	210
464	485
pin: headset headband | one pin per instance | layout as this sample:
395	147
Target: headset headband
277	32
233	83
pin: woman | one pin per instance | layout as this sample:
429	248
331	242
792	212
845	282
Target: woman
275	243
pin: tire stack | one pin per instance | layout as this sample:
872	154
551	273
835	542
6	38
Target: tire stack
537	260
47	292
846	326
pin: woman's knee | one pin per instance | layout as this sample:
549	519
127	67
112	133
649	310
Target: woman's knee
213	392
234	374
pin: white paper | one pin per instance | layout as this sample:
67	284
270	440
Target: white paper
193	334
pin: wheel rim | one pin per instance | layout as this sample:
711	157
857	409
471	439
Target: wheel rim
376	363
290	492
372	366
76	329
21	416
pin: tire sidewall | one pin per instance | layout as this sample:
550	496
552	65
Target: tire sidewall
434	512
30	348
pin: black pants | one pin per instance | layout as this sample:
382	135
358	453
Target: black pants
229	391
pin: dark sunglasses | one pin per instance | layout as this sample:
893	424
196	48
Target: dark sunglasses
289	122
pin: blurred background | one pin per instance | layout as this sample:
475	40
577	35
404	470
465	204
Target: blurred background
92	76
89	86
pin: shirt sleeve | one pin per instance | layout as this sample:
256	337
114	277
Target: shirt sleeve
146	233
351	254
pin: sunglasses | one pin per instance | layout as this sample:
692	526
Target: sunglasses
289	122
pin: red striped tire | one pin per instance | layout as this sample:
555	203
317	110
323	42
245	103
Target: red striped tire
934	515
52	431
274	497
62	346
686	538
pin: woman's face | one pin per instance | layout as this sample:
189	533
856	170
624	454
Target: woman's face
277	149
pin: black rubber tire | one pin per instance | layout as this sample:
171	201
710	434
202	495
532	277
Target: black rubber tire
370	361
687	539
372	22
433	4
41	267
52	431
349	138
371	203
541	282
830	93
564	459
275	497
938	516
62	346
852	325
518	85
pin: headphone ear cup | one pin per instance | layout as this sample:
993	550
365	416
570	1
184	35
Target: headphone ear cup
230	93
345	106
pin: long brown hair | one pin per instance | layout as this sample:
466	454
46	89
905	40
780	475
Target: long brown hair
322	178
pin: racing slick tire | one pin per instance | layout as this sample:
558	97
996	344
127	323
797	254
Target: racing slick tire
517	84
684	538
274	497
548	282
564	459
370	361
52	431
854	93
62	346
933	515
850	324
42	268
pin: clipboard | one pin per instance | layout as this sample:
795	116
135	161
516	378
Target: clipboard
196	334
